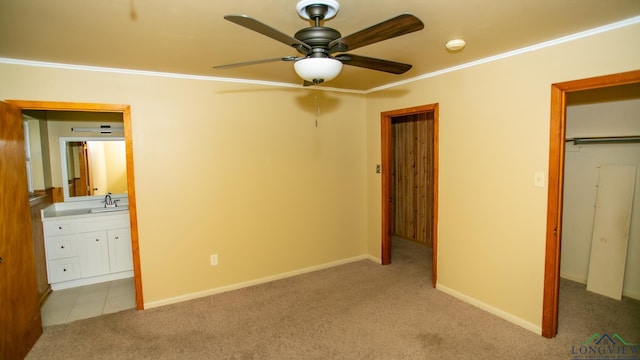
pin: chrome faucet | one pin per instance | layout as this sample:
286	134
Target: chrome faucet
107	201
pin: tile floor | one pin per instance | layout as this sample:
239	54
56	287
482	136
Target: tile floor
67	305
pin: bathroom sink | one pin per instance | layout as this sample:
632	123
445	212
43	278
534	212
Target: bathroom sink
108	209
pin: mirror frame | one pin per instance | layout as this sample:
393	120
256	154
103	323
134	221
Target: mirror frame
65	170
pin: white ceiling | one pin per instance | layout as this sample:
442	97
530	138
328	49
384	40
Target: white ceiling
191	36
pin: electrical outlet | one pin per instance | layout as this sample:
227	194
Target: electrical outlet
213	259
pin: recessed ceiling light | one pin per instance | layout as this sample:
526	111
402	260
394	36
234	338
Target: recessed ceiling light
455	44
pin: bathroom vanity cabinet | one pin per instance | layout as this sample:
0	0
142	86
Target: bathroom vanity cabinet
87	248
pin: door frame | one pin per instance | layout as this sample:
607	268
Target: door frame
125	110
386	119
556	179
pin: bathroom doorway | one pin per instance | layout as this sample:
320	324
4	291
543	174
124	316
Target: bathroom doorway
125	111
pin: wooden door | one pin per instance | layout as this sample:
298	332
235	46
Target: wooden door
20	324
412	177
85	187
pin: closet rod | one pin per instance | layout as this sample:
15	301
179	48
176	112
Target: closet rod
604	140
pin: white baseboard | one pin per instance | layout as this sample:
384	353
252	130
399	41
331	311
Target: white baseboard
581	280
222	289
631	294
578	279
493	310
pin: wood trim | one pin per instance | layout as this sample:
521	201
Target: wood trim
409	111
597	82
556	175
386	150
554	213
387	153
133	210
128	136
434	229
57	194
67	106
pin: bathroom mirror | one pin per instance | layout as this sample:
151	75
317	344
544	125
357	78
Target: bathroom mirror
93	167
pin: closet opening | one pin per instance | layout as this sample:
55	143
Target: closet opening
558	145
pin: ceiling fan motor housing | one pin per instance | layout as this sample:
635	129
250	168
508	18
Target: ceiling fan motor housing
318	37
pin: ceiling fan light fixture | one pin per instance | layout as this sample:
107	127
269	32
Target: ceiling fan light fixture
317	70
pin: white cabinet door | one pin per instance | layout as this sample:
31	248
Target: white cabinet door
94	253
120	254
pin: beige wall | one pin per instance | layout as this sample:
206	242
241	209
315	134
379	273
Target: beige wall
494	134
236	170
115	157
269	193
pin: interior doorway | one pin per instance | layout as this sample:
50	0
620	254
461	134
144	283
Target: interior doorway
125	111
556	180
420	228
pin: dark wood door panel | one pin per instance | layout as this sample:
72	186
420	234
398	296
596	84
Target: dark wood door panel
20	324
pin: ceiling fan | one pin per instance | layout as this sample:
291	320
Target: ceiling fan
323	49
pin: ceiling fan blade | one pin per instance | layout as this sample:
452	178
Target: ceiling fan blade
399	25
373	63
257	26
254	62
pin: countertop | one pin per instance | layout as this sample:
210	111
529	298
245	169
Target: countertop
62	210
37	198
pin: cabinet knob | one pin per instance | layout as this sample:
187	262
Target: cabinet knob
117	237
64	269
97	239
59	227
61	246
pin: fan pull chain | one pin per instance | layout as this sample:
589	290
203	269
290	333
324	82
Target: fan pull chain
315	95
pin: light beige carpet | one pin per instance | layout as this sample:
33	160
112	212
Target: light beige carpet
360	310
